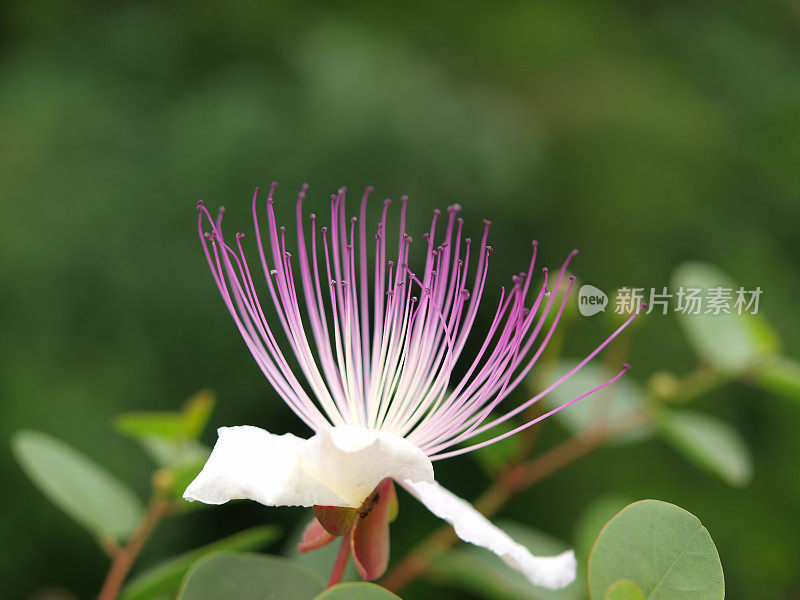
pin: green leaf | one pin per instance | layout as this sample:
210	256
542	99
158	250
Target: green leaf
186	425
170	438
197	411
180	478
249	577
710	443
482	573
77	485
356	591
143	425
592	520
612	402
731	343
664	549
624	589
165	579
175	454
781	376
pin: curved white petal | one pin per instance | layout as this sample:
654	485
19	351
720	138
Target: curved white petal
340	466
552	572
351	461
248	463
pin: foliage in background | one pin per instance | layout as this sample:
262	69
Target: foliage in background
646	134
651	549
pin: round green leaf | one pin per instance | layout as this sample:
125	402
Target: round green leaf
624	589
165	579
357	591
664	549
249	577
592	520
732	343
77	485
712	444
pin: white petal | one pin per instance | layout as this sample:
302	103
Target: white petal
340	466
352	461
253	464
552	572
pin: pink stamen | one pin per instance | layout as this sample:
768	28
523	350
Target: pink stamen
396	376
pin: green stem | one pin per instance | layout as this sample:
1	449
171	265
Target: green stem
696	383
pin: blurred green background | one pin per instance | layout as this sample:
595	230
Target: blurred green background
644	133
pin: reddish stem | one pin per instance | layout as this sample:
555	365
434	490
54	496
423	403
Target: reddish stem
341	561
124	557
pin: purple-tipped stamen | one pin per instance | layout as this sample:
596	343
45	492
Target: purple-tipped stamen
391	371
